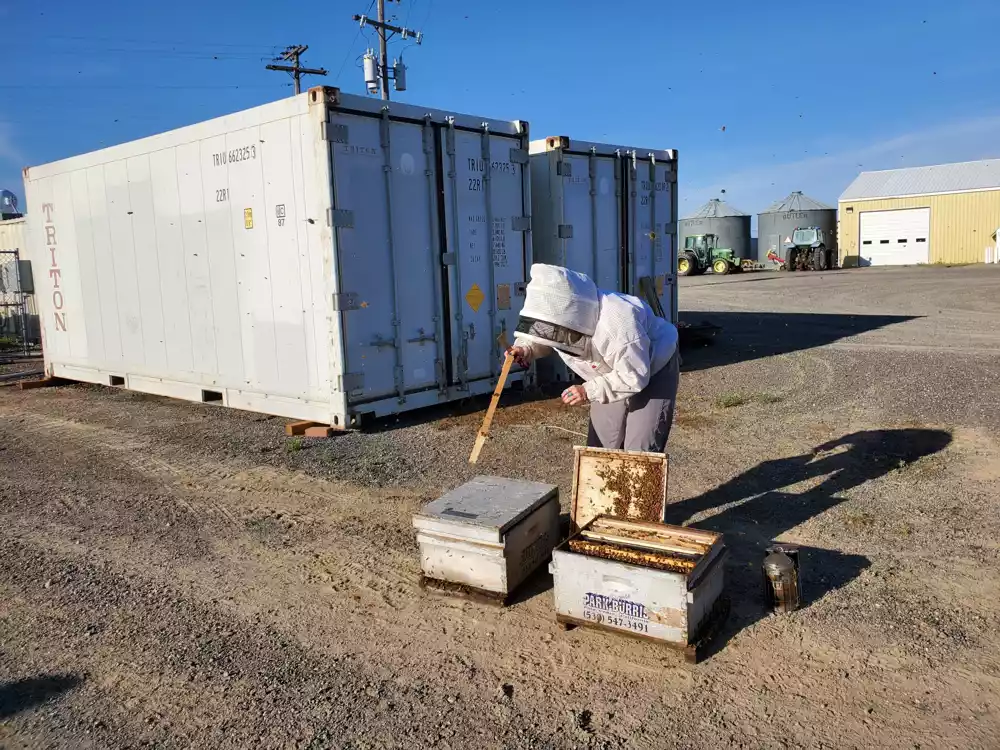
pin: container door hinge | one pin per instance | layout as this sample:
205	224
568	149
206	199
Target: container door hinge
448	259
334	133
520	223
565	231
670	228
564	169
341	218
351	381
344	301
518	156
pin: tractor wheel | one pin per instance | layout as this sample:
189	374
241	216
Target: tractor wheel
790	260
720	266
687	265
819	259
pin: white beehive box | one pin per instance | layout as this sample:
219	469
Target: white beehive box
488	535
645	579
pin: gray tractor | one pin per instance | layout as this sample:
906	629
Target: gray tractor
809	250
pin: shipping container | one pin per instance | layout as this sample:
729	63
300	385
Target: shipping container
607	211
324	257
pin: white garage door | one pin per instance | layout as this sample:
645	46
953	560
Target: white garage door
895	238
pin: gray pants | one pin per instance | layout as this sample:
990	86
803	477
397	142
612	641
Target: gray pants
641	422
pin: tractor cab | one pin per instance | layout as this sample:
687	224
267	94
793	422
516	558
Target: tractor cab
810	237
701	243
808	250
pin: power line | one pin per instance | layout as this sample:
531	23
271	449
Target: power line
167	42
140	86
293	54
355	41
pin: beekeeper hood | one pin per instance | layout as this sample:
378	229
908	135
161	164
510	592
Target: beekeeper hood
560	309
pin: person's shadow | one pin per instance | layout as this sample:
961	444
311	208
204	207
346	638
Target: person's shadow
758	511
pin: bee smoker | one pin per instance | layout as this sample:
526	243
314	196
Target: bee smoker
782	590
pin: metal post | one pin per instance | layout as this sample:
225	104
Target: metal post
463	351
592	169
384	137
429	171
488	195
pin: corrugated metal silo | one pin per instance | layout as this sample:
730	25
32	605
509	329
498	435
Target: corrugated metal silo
717	217
776	224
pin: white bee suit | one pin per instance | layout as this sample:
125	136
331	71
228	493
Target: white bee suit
624	353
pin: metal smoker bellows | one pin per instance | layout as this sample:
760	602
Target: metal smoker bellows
781	578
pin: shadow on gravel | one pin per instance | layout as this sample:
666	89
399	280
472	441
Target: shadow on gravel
763	511
747	336
514	395
21	695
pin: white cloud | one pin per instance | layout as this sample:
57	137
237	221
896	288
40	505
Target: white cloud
824	178
8	150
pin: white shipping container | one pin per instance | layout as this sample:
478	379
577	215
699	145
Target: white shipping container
607	211
322	257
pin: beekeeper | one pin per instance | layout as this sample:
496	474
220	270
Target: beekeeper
625	354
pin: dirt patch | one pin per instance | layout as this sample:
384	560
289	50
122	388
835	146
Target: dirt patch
170	576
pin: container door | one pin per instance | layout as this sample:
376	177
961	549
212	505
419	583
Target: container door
651	232
592	242
388	260
485	217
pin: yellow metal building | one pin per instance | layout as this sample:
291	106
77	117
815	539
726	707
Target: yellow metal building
946	213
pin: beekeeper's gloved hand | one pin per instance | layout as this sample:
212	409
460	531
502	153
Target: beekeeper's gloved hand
522	355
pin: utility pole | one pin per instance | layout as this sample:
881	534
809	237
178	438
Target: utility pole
292	55
385	32
383	50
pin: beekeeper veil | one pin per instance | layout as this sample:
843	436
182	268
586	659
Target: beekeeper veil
560	309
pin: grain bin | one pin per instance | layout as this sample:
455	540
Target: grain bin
776	224
729	224
324	257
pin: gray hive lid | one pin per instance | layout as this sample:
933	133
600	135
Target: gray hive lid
796	202
486	506
716	209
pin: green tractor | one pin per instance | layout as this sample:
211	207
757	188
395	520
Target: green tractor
809	251
700	253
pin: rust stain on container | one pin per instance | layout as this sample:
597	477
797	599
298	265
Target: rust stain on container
637	489
672	618
660	561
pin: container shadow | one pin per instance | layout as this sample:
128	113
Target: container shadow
746	336
512	396
758	510
20	695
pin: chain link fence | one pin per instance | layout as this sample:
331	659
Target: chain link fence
19	329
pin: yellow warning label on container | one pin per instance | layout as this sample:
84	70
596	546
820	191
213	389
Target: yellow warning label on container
475	297
248	218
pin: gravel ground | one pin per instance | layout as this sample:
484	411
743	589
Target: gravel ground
176	575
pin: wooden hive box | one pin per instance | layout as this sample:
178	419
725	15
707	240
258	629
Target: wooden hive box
488	535
651	580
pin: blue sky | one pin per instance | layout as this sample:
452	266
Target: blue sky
809	95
